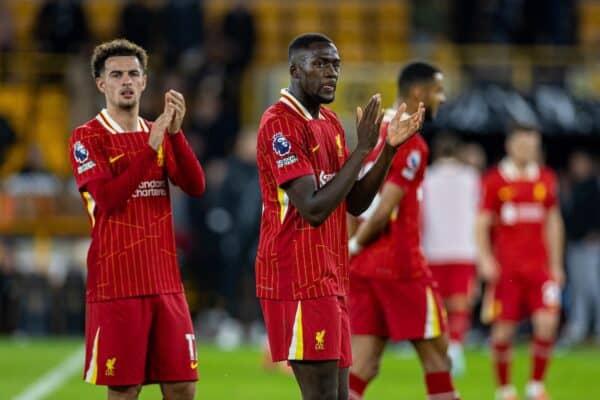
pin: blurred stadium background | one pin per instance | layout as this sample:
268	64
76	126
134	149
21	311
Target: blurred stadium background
534	61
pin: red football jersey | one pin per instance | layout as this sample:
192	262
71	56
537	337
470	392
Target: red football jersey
397	252
132	252
519	205
295	260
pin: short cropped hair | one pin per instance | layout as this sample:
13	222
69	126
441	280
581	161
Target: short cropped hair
304	41
413	73
117	47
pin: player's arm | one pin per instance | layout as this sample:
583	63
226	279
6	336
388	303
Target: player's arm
399	131
183	167
368	231
488	266
555	236
110	194
353	223
316	204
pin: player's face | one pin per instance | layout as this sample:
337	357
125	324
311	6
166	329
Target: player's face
319	72
435	96
122	81
523	147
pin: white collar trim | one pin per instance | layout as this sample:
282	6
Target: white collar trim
510	172
113	127
288	99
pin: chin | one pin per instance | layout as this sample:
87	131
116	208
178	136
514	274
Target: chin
326	99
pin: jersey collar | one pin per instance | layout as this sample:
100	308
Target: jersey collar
288	99
113	127
510	172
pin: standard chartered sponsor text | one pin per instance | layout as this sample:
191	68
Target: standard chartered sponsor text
151	189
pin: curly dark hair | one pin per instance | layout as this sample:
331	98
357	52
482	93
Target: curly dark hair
117	47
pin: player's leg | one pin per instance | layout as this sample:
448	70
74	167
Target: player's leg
436	365
544	304
366	358
344	383
506	305
173	359
317	379
124	392
369	334
502	335
178	390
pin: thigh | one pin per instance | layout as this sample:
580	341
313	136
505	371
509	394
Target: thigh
543	293
366	314
509	299
317	379
116	336
413	309
172	345
304	330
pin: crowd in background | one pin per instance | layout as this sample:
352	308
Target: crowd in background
42	280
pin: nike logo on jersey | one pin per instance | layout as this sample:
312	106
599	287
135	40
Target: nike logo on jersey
115	158
315	148
194	364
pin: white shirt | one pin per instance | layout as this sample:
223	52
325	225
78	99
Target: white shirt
451	196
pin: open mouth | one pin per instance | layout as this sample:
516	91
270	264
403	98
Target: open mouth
127	93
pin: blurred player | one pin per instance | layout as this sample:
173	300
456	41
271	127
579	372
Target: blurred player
450	196
138	326
519	233
392	293
308	181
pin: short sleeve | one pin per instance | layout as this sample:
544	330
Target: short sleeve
87	156
407	166
284	150
489	195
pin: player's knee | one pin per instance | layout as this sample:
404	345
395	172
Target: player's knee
436	361
366	370
179	391
124	392
322	393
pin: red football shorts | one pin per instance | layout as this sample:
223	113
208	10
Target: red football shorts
140	340
398	309
454	279
517	296
312	330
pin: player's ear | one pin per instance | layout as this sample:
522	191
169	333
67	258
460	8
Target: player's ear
100	84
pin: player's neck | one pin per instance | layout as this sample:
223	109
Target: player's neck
312	107
126	118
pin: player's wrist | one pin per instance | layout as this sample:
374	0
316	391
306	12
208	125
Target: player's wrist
354	247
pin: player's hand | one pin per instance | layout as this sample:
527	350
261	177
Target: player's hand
368	123
488	269
400	129
159	127
558	274
175	101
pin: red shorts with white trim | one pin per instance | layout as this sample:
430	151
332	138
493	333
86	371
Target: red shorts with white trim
454	279
312	330
140	340
398	309
519	296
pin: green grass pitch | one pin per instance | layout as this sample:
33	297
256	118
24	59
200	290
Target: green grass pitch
238	374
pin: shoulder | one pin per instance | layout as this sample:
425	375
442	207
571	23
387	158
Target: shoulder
88	131
492	176
278	118
547	174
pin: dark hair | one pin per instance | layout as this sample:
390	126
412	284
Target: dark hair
415	72
117	47
304	41
445	145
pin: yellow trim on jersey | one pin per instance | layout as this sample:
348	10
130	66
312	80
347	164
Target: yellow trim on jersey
297	345
92	372
90	206
432	324
284	202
